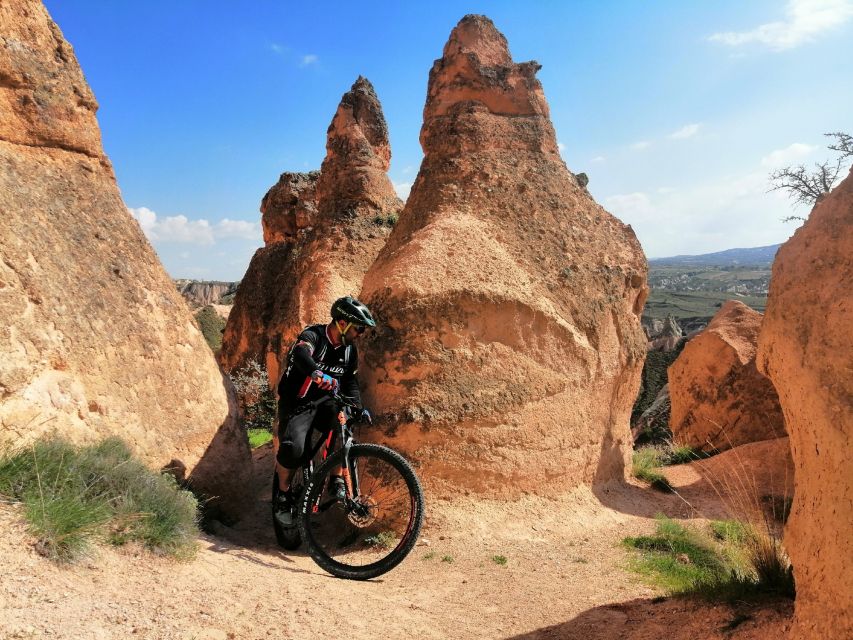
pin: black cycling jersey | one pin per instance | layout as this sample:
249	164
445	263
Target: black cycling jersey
313	351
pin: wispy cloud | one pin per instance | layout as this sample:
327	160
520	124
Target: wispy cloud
642	144
280	49
561	147
403	189
687	131
181	229
792	153
598	160
804	21
309	59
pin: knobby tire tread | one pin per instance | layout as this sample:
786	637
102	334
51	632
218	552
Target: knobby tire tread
397	555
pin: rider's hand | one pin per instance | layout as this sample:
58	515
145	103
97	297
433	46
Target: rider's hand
366	416
324	381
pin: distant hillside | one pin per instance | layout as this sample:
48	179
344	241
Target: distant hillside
729	257
201	293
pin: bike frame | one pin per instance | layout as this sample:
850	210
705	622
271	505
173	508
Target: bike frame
326	445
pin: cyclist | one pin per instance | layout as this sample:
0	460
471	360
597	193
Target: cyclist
323	359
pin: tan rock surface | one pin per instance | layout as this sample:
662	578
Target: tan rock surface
510	347
719	399
806	348
95	340
320	236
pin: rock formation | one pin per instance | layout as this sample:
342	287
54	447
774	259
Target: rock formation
95	340
806	348
200	293
719	399
322	231
668	337
509	349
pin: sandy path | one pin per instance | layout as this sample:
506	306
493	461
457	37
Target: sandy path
564	578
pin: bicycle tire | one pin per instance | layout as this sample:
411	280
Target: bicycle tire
364	541
287	537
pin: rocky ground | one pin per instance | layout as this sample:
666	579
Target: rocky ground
565	577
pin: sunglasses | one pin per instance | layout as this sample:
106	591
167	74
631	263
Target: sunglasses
359	328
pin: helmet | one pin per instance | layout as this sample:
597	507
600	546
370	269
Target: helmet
353	311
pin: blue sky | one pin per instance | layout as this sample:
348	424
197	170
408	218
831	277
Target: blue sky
677	111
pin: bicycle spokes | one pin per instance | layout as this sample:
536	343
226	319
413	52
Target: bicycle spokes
368	527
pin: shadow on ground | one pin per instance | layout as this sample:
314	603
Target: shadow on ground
673	619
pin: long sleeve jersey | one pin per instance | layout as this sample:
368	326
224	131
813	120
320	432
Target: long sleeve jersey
314	351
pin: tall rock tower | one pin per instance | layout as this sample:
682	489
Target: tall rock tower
94	340
806	349
322	232
510	345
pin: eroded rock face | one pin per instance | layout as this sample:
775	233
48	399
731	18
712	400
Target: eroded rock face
508	300
806	349
719	399
321	235
95	340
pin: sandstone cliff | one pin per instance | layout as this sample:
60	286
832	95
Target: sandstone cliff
510	348
719	399
120	355
322	231
806	348
199	293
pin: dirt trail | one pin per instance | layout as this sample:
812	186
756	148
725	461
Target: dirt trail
565	577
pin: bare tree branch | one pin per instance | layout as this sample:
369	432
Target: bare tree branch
806	187
843	145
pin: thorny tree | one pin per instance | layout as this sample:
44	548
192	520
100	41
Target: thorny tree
806	186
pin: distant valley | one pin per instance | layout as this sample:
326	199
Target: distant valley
693	288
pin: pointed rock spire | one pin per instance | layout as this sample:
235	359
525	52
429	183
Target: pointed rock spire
321	235
508	299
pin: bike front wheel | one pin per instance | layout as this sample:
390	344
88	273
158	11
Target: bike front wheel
374	528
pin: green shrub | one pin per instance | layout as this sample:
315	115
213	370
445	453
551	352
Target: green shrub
211	325
645	464
738	561
679	559
258	437
73	495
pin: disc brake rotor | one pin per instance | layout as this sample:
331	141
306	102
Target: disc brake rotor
363	512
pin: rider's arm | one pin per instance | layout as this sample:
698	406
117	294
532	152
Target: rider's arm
302	352
349	381
302	358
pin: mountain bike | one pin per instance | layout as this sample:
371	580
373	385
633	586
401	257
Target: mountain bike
369	528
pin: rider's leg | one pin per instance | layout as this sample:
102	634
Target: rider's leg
293	432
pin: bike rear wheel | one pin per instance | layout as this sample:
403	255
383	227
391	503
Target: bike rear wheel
369	533
287	537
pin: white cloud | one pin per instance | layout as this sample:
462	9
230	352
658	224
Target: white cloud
403	189
277	48
238	229
790	154
309	59
181	229
731	211
642	144
598	160
630	205
408	169
561	147
805	19
686	131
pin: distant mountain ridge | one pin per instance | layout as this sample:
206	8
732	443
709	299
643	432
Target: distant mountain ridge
753	255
